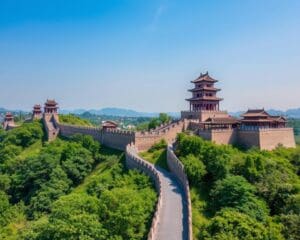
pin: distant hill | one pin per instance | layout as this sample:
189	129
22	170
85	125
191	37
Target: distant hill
122	112
119	112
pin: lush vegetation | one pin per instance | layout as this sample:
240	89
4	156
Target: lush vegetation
157	154
74	120
242	195
154	122
69	189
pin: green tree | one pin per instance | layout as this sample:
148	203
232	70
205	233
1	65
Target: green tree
164	118
124	211
230	224
291	223
195	168
77	162
75	216
236	192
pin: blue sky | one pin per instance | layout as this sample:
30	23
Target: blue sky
142	54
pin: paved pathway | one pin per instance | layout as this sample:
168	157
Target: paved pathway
173	224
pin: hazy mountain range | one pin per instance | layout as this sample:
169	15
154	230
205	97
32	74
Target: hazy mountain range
121	112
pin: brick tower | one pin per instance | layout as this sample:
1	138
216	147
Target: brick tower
37	112
9	122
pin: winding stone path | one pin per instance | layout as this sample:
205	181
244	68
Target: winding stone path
173	224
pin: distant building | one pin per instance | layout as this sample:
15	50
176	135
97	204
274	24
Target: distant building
109	125
255	128
50	119
8	122
37	112
51	107
259	118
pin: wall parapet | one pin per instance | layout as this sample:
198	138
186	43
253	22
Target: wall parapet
121	132
78	126
134	161
177	168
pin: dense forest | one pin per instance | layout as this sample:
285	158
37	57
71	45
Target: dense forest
69	189
242	194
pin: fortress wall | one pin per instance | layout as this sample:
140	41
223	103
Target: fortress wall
193	125
177	168
134	161
113	138
248	138
70	130
205	134
145	140
117	139
50	125
271	138
224	136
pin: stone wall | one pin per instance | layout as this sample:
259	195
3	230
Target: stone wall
113	138
117	139
205	134
51	127
177	168
70	130
134	161
219	136
248	139
271	138
224	136
168	132
264	139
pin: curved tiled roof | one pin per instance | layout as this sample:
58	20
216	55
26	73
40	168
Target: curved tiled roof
204	78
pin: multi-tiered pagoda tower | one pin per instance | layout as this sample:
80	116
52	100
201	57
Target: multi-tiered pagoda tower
204	94
9	122
51	107
37	112
204	102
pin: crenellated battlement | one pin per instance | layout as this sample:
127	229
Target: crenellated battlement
135	161
119	132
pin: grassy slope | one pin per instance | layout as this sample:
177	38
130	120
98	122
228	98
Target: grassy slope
199	199
157	157
74	120
31	151
102	168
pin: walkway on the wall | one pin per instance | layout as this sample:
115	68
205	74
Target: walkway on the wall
173	223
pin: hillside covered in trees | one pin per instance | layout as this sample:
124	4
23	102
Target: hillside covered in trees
69	189
242	194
